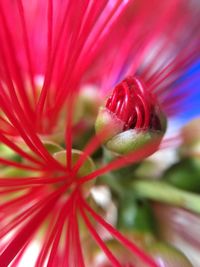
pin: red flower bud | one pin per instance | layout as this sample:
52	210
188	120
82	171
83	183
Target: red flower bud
132	117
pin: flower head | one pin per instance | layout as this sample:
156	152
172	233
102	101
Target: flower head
132	116
50	51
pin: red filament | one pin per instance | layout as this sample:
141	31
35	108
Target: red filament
131	103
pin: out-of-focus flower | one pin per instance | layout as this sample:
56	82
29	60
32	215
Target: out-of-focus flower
181	228
51	52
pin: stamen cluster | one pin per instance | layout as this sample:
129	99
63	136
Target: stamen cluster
132	104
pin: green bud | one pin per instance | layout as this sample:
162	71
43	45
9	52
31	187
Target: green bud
108	121
168	256
142	239
86	168
52	147
124	142
132	140
131	119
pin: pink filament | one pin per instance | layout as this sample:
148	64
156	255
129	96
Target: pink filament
99	241
131	103
24	234
145	258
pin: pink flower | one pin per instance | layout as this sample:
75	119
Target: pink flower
49	51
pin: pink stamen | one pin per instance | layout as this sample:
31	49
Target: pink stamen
18	150
8	162
27	47
115	233
23	216
120	162
49	237
41	102
92	145
27	181
13	61
57	231
30	136
88	52
78	245
99	241
22	236
131	103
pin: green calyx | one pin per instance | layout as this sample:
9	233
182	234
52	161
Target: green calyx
124	142
132	140
107	124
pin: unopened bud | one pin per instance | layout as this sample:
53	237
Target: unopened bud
131	118
168	256
87	167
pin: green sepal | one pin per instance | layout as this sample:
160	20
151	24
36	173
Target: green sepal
122	142
132	140
108	121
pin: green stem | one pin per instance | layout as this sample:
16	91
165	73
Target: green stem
163	192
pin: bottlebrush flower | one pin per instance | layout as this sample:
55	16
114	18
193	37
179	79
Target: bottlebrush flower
133	117
49	51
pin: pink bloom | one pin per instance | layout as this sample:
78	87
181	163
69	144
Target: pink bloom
50	50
